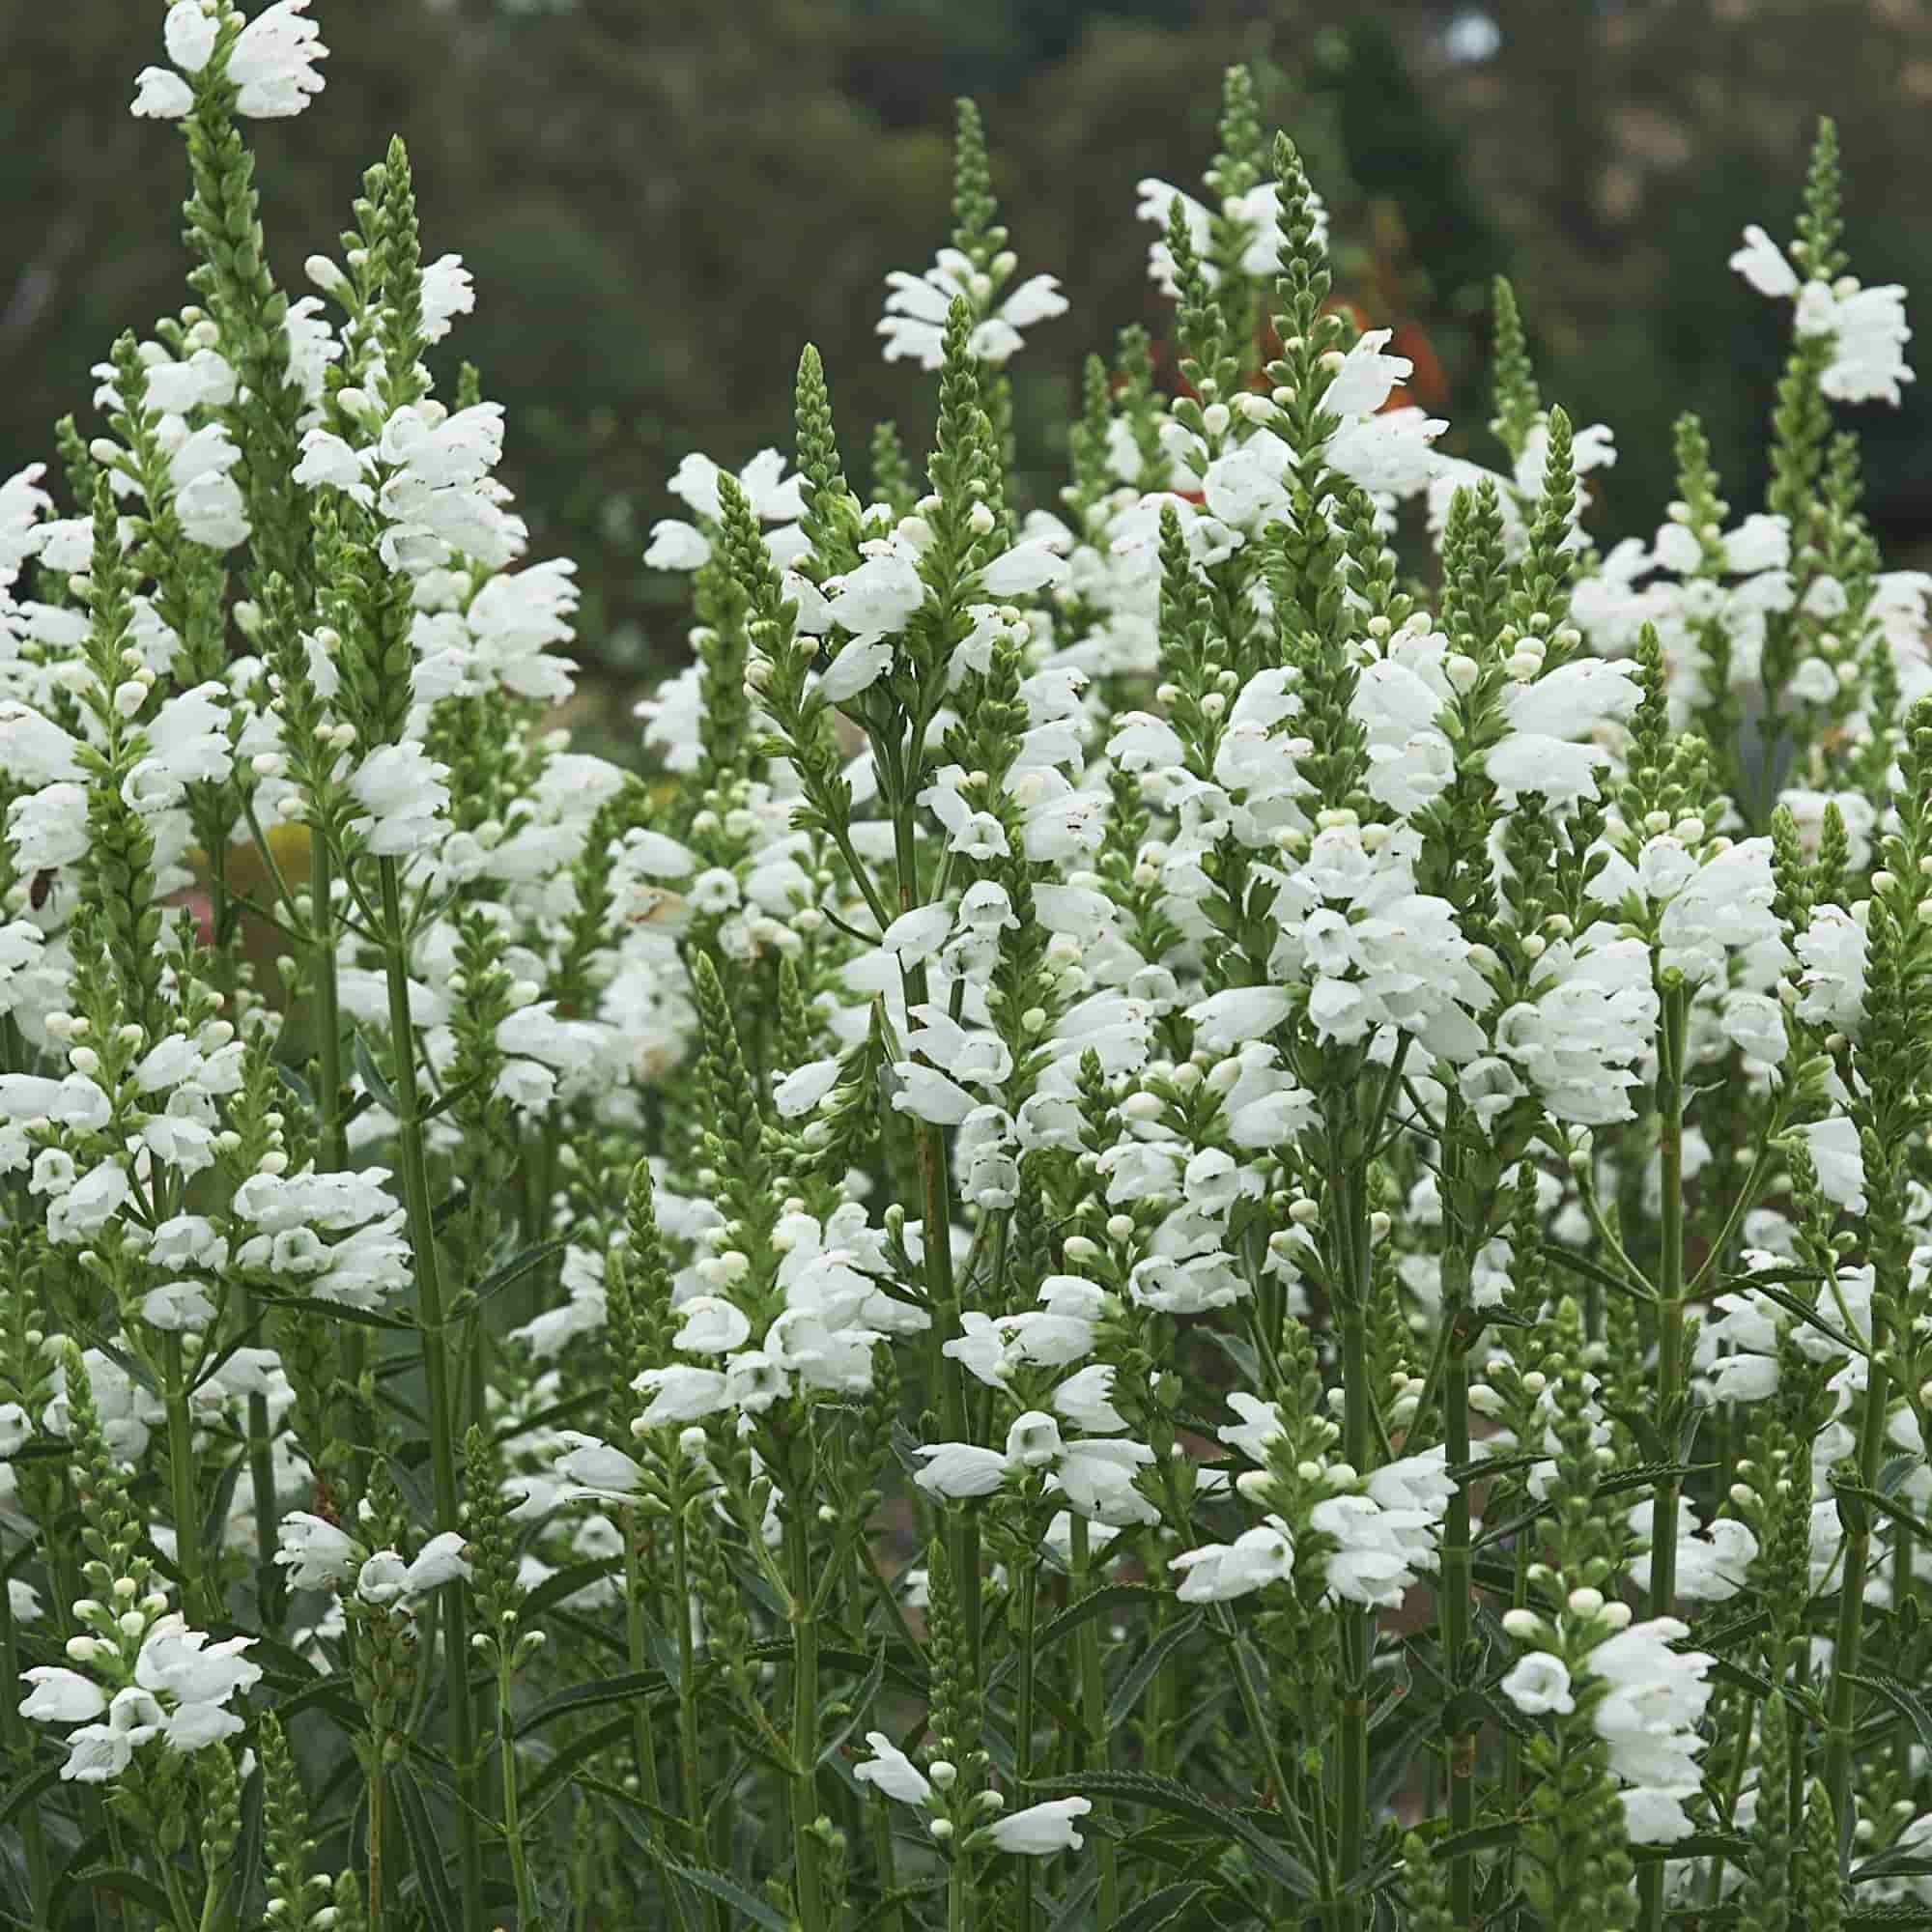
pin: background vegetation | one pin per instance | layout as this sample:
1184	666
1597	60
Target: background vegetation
661	203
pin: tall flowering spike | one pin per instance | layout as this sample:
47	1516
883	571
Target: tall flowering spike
974	270
398	282
1518	403
1819	1893
830	521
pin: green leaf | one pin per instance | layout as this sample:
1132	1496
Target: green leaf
1165	1794
891	1901
860	1701
118	1879
1901	1698
1109	1596
432	1866
1127	1692
734	1894
23	1794
566	1583
516	1269
589	1697
1886	1505
1163	1907
373	1076
1478	1838
1802	1310
1073	1907
1731	1845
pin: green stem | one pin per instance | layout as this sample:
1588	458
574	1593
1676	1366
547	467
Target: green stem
1358	1629
1669	1352
33	1832
1093	1710
181	1478
527	1916
884	1859
1670	1298
378	1822
1454	1592
1023	1723
182	1912
809	1879
435	1373
690	1782
1842	1693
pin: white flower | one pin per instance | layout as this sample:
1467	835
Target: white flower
1836	1154
915	311
1041	1830
892	1773
161	96
1657	1695
316	1554
1219	1572
404	795
272	62
592	1469
177	1307
1539	1683
189	33
447	292
1255	213
439	1561
774	496
61	1696
712	1326
1764	264
680	1394
958	1469
1868	335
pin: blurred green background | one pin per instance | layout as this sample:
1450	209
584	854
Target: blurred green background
662	203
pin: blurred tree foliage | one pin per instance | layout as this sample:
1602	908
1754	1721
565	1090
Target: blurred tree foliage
663	202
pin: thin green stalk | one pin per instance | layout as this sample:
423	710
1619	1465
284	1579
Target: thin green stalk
884	1859
435	1373
810	1880
690	1782
1454	1597
1093	1710
1028	1582
378	1826
1669	1352
33	1832
181	1478
527	1916
1358	1629
1842	1693
181	1911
